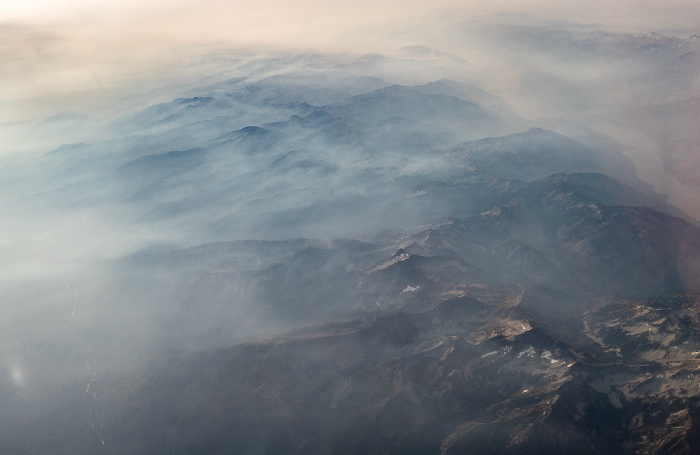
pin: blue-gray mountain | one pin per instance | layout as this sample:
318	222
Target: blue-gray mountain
338	264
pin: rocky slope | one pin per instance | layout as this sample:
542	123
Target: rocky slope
554	322
470	375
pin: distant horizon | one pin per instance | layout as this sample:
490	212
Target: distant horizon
105	59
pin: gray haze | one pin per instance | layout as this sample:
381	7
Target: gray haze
141	198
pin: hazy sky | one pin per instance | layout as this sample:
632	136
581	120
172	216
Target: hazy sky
104	56
280	17
57	51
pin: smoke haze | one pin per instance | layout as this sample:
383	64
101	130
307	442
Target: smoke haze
163	167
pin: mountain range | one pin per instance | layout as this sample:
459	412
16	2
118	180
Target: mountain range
329	263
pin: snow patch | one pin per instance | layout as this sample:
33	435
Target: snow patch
548	355
410	289
529	352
